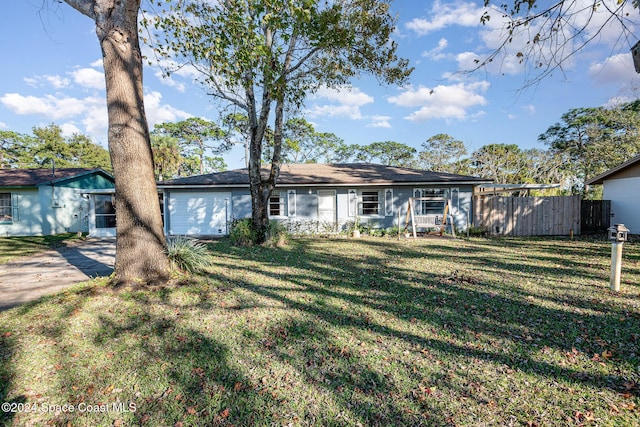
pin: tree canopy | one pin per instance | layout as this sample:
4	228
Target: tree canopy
47	146
264	58
545	36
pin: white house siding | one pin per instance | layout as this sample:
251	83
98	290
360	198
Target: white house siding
63	210
198	213
625	205
39	215
27	218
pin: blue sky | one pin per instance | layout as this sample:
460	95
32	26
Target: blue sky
52	73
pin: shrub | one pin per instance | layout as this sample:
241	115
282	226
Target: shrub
188	254
242	233
277	234
478	231
393	231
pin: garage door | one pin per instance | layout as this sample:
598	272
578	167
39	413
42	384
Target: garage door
199	214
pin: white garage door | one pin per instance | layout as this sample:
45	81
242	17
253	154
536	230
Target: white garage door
199	214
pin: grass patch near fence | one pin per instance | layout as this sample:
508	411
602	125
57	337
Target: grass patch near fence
342	332
15	247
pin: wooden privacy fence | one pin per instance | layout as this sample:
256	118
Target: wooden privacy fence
595	216
528	216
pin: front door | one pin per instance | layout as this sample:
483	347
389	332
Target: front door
327	206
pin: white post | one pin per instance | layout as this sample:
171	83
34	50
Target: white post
616	265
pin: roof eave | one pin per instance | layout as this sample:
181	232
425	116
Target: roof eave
599	179
328	184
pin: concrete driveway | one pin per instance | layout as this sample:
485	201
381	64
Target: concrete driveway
29	278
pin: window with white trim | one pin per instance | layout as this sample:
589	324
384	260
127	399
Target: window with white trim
6	208
370	202
427	207
276	204
105	211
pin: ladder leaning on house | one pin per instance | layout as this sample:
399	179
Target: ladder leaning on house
429	221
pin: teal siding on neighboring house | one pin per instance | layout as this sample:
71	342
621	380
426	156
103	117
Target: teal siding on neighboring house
52	206
88	182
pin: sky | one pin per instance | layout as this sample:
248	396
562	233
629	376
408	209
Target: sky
52	73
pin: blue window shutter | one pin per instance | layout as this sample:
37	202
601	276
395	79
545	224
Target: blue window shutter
291	202
388	202
353	202
14	207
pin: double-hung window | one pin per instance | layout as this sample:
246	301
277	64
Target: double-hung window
8	207
370	202
276	204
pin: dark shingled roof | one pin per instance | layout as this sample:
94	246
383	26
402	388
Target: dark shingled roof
35	177
324	174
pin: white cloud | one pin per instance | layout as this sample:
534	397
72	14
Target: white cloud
160	113
69	129
348	111
52	107
447	14
3	125
346	102
436	53
529	109
169	81
380	122
57	82
89	78
615	69
90	111
442	102
345	95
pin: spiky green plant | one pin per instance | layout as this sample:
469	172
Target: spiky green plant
188	254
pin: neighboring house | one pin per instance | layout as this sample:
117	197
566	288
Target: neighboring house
620	185
314	197
40	202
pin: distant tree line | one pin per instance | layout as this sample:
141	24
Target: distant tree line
584	143
47	147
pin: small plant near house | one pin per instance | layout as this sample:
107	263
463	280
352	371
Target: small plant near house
478	231
277	235
242	233
188	254
392	231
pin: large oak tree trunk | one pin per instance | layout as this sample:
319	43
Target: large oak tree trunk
140	243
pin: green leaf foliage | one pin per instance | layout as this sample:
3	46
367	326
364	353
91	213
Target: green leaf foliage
47	146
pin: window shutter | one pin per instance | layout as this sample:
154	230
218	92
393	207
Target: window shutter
388	202
353	202
291	203
455	200
14	207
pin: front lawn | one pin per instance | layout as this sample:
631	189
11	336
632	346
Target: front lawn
341	332
15	247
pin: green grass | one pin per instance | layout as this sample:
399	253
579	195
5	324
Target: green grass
343	332
15	247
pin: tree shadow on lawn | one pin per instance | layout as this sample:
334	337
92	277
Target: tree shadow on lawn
6	378
138	352
460	305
